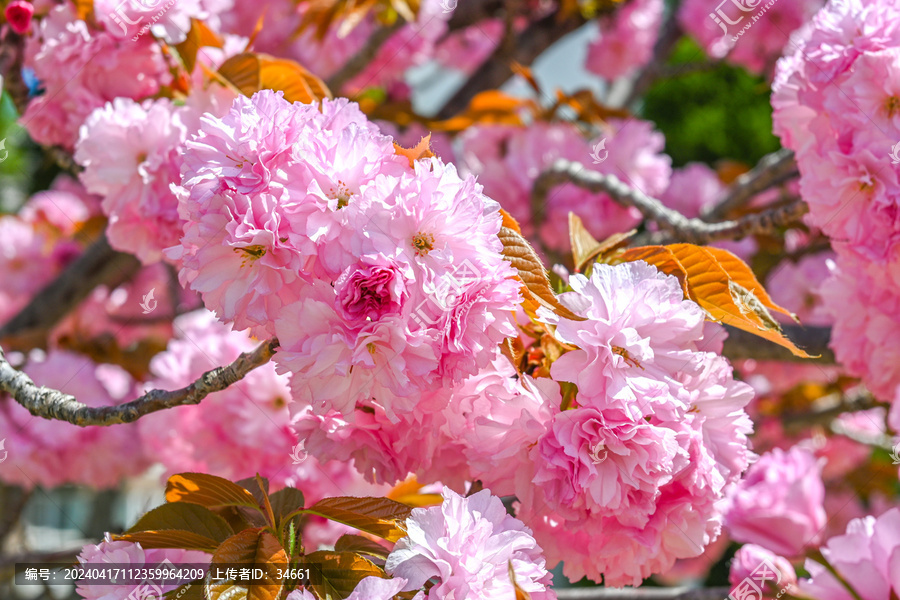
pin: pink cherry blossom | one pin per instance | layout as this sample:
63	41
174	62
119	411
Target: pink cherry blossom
626	39
661	431
81	69
129	154
751	33
750	558
18	14
129	554
170	21
778	504
467	544
49	453
867	557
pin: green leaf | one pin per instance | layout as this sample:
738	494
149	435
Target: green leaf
186	517
378	516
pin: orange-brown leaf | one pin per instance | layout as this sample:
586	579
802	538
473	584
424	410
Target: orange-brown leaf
198	37
250	72
488	107
409	492
662	259
420	150
257	549
525	73
379	516
360	545
586	248
84	9
170	538
531	271
207	490
720	287
510	222
740	273
340	572
184	516
520	593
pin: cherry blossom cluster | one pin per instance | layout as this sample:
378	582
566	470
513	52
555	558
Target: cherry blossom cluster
382	280
619	485
750	33
835	104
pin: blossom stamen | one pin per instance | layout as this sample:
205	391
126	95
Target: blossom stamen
629	360
423	243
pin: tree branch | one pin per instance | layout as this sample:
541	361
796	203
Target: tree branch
99	264
675	225
530	44
773	169
669	34
362	58
467	14
603	593
12	55
53	404
742	344
849	402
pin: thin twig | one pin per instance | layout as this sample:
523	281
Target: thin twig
743	344
53	404
467	14
773	169
529	44
674	224
669	34
99	265
358	62
11	513
837	405
876	440
12	55
59	556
